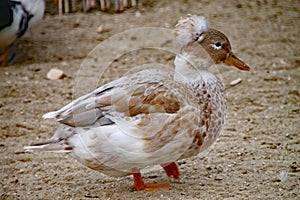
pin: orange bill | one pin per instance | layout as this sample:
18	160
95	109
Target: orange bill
236	62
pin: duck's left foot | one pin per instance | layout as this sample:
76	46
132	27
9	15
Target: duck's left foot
140	185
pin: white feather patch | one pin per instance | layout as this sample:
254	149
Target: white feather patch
50	115
190	28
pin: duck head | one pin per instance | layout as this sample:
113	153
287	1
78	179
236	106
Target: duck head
193	33
218	47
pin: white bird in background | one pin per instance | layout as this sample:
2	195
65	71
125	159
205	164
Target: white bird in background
152	117
16	17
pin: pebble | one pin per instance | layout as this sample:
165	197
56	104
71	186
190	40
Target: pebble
21	171
283	175
138	14
208	167
236	81
218	178
100	29
55	74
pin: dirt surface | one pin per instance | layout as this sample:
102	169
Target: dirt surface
258	153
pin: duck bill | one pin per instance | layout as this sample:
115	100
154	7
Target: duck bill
236	62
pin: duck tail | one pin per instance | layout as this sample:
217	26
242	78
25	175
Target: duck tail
58	143
51	145
50	115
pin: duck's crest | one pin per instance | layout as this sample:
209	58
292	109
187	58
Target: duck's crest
190	28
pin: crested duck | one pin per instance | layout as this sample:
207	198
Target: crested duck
151	117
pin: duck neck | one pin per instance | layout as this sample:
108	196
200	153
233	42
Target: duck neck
189	68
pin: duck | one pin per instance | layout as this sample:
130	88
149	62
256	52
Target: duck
64	6
152	117
17	17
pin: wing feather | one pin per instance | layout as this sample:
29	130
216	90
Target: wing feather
149	91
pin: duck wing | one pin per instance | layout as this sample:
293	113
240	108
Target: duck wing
144	93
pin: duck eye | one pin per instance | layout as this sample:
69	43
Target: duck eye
218	44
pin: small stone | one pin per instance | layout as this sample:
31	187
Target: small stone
152	176
218	178
283	175
91	196
100	29
138	14
65	63
76	24
276	179
55	74
236	81
208	167
294	167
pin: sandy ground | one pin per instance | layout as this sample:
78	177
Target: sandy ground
258	153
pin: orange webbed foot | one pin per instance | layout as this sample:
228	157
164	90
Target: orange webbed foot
140	185
153	187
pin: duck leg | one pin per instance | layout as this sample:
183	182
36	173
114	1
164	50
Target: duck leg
66	6
133	3
171	169
140	185
104	5
11	56
59	6
118	5
74	6
4	56
88	5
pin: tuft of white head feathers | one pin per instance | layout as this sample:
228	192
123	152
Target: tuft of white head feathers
190	28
